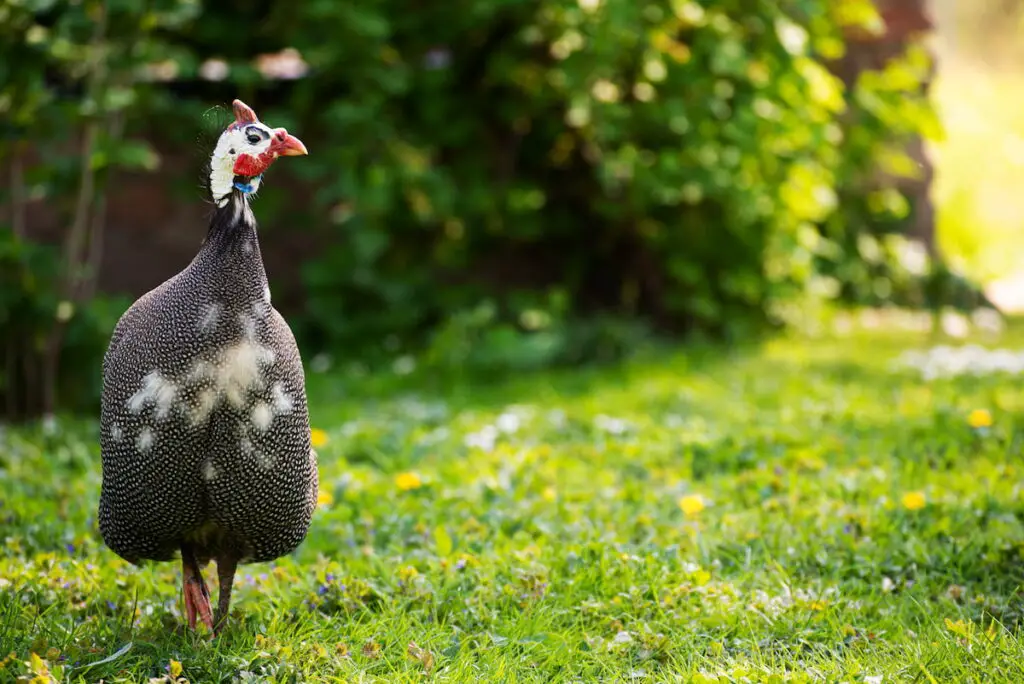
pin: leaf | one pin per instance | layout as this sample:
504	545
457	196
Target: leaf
38	666
136	154
110	658
424	656
443	541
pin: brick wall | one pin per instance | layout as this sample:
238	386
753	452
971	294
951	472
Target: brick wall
154	228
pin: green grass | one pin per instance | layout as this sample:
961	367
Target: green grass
564	554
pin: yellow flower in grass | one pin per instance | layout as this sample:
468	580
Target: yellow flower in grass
979	418
914	501
318	438
408	481
175	669
39	668
692	504
324	498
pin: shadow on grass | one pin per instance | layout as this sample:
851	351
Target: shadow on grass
860	358
482	390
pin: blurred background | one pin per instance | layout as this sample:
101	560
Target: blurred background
496	186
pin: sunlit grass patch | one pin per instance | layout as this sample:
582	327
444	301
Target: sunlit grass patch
803	511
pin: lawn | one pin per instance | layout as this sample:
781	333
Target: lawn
800	510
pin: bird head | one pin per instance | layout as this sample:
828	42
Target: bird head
245	150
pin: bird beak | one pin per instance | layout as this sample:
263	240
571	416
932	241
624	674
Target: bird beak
287	145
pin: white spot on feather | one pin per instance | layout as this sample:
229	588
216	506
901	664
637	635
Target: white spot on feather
265	460
144	442
203	407
209	319
248	324
209	471
236	371
266	294
283	403
241	369
262	416
260	308
116	433
246	446
155	389
201	370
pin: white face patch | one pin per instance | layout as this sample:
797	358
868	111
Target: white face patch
252	139
262	416
144	442
156	390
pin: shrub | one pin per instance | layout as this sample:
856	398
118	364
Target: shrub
30	307
73	77
661	159
561	166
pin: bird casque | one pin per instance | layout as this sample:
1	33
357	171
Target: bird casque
205	435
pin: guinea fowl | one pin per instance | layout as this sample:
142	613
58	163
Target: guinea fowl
205	434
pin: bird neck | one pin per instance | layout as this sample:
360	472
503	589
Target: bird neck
231	249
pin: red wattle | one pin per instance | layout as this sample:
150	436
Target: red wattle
250	166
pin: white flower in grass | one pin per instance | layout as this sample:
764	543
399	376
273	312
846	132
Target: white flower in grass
483	439
613	426
508	422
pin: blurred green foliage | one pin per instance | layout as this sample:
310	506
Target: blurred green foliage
672	161
866	258
30	305
72	77
664	159
502	182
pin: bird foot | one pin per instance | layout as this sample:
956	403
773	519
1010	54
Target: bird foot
197	600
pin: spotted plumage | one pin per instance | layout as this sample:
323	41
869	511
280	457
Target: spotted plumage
205	435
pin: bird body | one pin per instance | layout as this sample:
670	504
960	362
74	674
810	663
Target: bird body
205	436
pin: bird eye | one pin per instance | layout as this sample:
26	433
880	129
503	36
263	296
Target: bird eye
255	135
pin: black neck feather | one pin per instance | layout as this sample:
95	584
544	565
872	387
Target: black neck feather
231	252
233	226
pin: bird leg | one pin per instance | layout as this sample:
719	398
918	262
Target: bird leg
226	565
197	595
